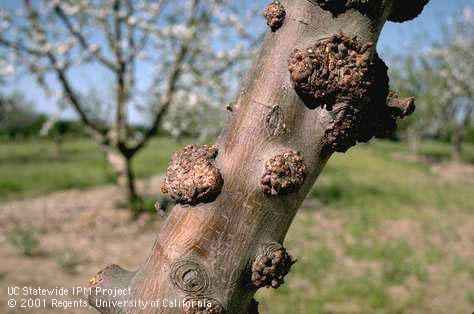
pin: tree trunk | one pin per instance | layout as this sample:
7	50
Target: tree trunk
237	199
414	139
456	144
122	167
459	133
58	147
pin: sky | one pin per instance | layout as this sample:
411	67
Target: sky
396	36
395	39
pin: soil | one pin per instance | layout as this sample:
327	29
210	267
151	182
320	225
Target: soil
80	232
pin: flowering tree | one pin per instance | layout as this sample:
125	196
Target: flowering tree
411	76
454	63
317	87
156	54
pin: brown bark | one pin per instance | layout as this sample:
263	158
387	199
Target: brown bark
459	133
414	139
223	241
456	144
122	167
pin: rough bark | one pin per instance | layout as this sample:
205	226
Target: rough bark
224	239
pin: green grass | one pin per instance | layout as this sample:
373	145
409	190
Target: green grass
353	264
25	240
348	260
31	168
370	177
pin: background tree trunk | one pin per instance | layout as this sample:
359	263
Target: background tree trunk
456	144
459	132
414	139
218	248
122	167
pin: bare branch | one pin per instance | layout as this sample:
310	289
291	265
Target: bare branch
130	80
120	118
145	37
168	97
81	39
19	47
61	75
172	83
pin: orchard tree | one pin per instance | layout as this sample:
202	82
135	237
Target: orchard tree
317	87
148	52
17	118
411	76
454	62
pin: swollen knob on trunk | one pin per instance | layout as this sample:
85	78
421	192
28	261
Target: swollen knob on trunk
394	108
192	176
275	15
335	69
284	173
203	305
270	267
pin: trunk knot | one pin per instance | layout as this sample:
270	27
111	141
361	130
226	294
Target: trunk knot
284	173
190	276
376	115
341	133
332	70
392	109
274	122
192	176
405	10
270	267
275	15
203	305
400	107
370	8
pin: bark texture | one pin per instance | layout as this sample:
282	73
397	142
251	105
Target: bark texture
277	141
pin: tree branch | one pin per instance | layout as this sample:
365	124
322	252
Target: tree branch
82	40
172	80
120	127
236	199
19	47
61	75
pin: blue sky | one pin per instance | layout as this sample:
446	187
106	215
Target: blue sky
395	39
396	36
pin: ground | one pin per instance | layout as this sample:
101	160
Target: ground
381	232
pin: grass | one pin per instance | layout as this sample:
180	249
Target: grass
25	240
381	233
68	260
349	263
31	168
370	177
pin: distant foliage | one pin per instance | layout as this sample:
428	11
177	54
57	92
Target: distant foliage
149	56
17	118
441	78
